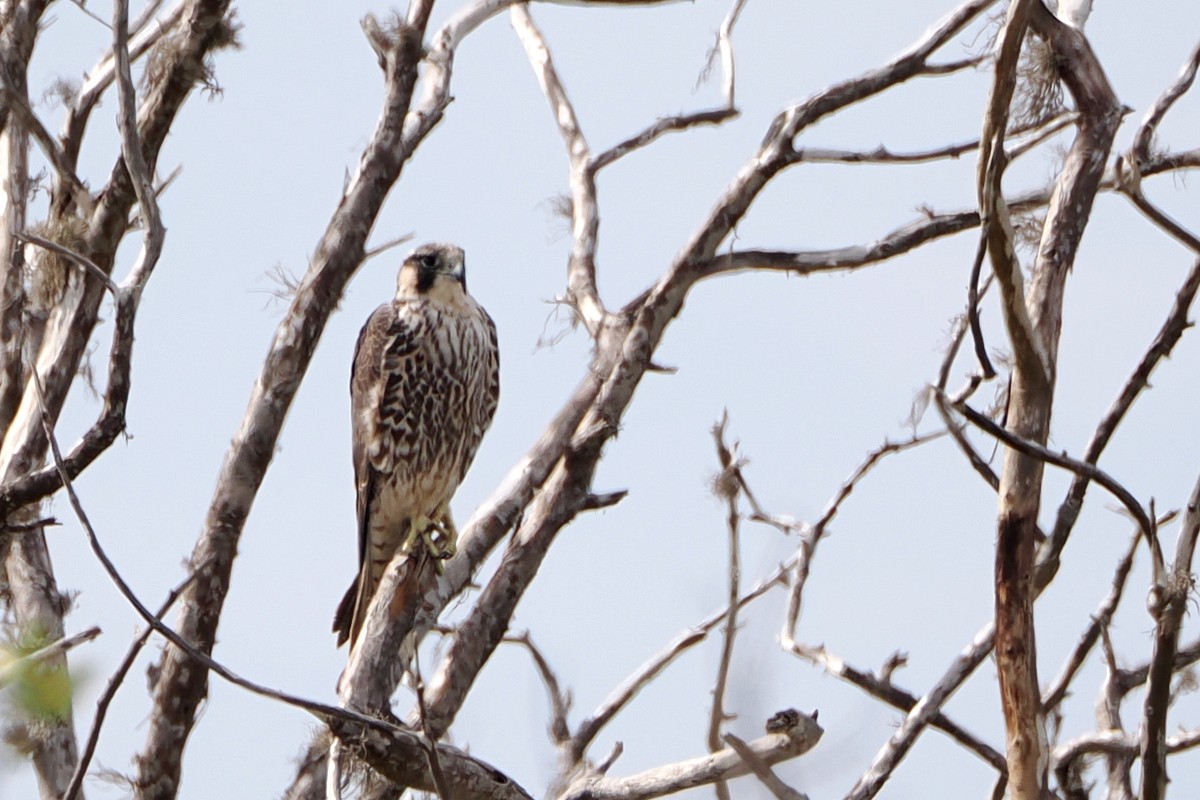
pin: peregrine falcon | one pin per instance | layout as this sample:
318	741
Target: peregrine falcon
423	389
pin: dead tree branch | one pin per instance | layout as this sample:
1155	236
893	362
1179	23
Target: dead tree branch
728	487
762	770
1034	323
582	294
1168	602
721	766
1144	138
1091	634
882	688
110	691
1164	342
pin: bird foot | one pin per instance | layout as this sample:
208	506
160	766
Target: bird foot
438	535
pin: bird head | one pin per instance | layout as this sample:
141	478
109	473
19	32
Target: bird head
433	270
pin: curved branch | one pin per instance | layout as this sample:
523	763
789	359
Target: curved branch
1037	451
1144	137
582	293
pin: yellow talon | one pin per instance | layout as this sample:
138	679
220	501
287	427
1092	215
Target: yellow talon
439	536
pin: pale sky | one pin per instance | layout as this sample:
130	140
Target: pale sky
814	372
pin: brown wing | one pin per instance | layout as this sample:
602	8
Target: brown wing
365	391
484	392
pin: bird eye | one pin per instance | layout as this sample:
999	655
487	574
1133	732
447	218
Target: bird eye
429	261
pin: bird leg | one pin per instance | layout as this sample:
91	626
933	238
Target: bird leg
438	534
446	545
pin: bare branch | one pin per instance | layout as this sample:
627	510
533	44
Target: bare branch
32	594
1108	716
812	537
1116	742
13	297
1168	603
955	428
585	216
388	245
1034	450
375	739
928	228
1099	621
64	169
629	688
1034	322
140	172
441	788
399	755
182	686
728	487
1129	183
149	30
882	688
921	715
1041	130
79	259
680	122
381	653
1164	342
763	771
778	145
997	231
725	48
724	765
11	667
661	126
560	701
110	691
1142	140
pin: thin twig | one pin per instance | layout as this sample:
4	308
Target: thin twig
131	149
79	259
1041	130
148	31
1108	718
1140	151
882	688
560	702
582	292
973	294
1164	342
114	683
812	537
1098	622
1035	450
11	667
388	245
1129	183
996	229
922	714
763	771
629	688
727	486
435	765
955	428
661	126
63	168
1168	602
723	51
